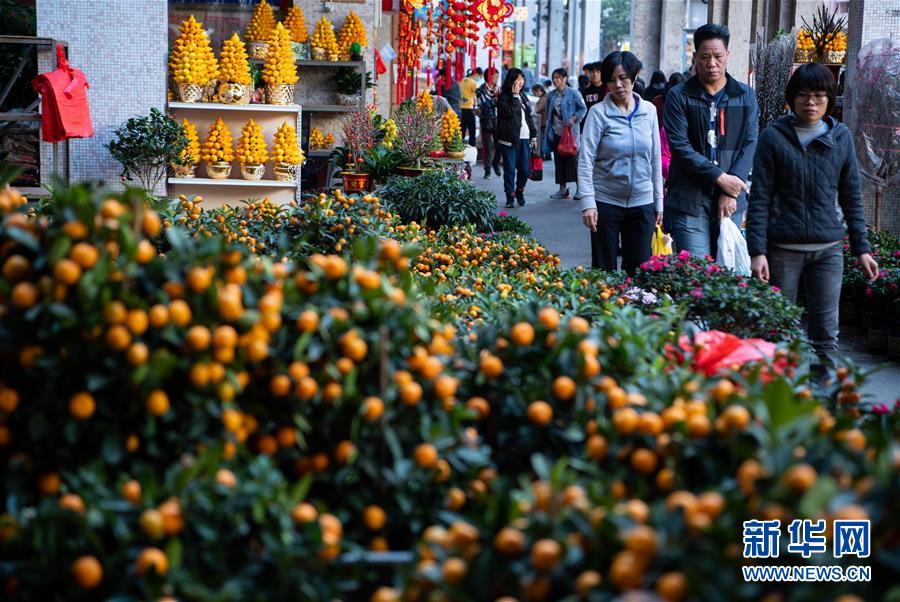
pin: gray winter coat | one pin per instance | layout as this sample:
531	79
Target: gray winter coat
792	199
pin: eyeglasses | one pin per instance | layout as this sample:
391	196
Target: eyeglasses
817	97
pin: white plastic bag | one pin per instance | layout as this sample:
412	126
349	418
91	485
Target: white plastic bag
732	251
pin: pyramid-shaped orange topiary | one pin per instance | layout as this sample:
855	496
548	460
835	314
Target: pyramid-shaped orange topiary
262	23
285	148
251	148
295	22
280	67
233	65
352	32
191	153
219	145
192	60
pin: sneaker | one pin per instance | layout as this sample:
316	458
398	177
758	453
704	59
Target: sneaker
560	195
497	169
520	196
488	176
510	201
510	205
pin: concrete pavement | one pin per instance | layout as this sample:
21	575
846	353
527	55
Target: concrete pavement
557	225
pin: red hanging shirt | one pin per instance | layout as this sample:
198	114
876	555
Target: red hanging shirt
64	105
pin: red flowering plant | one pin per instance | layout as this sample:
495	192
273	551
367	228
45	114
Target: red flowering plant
718	299
418	133
878	296
359	133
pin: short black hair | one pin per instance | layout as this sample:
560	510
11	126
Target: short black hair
711	31
658	78
595	66
814	77
479	70
625	59
511	76
560	72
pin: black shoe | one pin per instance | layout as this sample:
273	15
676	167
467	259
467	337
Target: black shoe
520	196
510	205
488	175
497	169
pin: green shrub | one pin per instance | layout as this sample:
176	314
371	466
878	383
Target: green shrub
439	198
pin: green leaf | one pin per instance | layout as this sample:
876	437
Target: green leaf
816	499
783	405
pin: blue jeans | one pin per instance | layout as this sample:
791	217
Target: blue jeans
696	234
516	166
820	273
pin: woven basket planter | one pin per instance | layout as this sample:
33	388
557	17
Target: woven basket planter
190	92
319	54
253	172
218	170
282	94
835	57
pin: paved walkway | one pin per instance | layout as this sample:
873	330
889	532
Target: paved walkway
557	224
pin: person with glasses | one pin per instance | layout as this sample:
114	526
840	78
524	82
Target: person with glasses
805	166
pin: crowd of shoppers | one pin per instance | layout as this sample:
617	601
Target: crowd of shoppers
678	153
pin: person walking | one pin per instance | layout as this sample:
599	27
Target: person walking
516	136
712	124
487	112
657	86
453	95
806	160
565	108
594	92
468	88
540	109
619	169
529	76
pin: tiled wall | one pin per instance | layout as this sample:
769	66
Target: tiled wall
121	47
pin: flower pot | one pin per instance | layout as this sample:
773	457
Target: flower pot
319	54
410	172
356	182
190	92
184	171
258	50
878	336
253	172
804	56
455	154
285	172
835	57
300	50
348	100
849	310
233	94
219	170
893	343
281	94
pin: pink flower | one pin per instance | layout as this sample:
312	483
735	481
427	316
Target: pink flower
697	293
502	214
684	255
880	408
775	289
869	292
742	284
713	269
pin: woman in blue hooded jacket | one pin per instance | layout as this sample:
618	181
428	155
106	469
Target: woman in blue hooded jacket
565	108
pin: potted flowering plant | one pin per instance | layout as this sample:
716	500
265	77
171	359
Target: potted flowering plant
418	133
359	133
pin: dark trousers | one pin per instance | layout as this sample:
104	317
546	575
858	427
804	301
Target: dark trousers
820	274
490	154
468	125
635	224
516	166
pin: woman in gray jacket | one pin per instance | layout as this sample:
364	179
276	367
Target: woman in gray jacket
620	168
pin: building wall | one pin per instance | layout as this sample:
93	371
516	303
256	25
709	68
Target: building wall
867	21
121	47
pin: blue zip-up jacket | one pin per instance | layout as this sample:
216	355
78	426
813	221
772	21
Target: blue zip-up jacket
572	105
620	161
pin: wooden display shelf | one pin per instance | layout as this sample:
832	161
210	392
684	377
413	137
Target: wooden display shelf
316	63
218	106
237	182
320	152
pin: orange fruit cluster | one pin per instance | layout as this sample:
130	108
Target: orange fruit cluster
192	60
262	23
280	67
234	67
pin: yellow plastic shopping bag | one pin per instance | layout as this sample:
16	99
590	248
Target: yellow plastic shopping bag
661	243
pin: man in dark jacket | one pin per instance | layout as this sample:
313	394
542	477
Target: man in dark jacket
712	124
